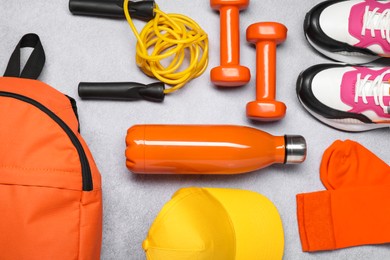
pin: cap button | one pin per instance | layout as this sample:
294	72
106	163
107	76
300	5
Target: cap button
145	244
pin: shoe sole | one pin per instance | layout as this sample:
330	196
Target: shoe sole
346	57
345	124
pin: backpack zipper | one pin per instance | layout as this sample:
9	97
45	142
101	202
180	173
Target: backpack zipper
85	168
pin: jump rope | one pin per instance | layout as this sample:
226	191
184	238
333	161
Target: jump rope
172	48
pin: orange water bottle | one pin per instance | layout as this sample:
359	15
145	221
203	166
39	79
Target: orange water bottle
207	149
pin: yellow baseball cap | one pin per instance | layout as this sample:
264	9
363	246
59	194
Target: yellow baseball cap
216	224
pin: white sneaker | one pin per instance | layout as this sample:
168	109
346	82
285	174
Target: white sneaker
351	31
347	98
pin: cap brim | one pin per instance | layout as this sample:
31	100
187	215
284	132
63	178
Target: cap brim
257	224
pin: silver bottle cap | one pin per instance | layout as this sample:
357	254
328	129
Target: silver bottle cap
295	149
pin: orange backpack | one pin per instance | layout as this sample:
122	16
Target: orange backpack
50	187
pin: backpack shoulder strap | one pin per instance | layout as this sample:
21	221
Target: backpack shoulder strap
34	64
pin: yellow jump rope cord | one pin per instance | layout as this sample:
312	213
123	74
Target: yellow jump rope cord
172	38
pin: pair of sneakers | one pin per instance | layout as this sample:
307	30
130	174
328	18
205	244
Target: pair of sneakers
346	97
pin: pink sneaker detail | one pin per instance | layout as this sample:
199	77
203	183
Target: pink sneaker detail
356	20
349	87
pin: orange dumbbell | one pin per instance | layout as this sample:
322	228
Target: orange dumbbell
230	73
266	36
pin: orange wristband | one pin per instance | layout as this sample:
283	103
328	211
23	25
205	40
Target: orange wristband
342	218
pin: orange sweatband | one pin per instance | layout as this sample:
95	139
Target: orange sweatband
342	218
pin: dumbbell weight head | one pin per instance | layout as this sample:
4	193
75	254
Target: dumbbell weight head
241	4
266	31
230	75
266	110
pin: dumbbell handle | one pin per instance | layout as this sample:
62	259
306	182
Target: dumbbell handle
230	35
266	70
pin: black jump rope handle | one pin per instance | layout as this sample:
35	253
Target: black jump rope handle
128	91
143	10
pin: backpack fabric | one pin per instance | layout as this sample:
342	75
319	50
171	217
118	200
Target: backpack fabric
50	187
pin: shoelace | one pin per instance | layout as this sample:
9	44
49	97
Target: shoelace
375	88
373	20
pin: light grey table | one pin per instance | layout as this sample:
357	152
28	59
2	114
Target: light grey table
93	49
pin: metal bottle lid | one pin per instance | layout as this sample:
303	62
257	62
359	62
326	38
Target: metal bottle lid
295	149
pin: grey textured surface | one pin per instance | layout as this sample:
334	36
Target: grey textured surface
93	49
